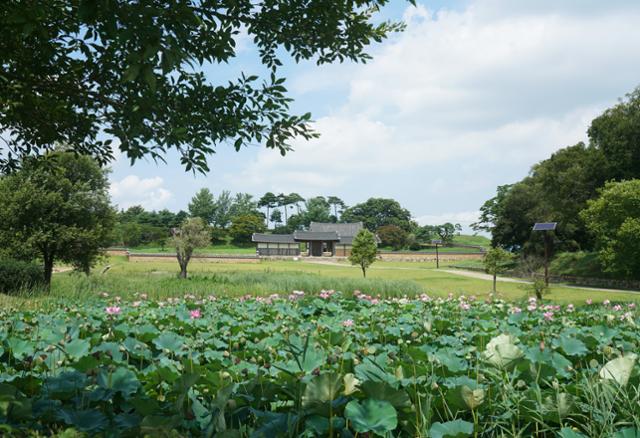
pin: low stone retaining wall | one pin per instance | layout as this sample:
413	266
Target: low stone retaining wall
428	257
116	251
196	258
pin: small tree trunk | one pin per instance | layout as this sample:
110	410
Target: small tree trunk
183	261
364	271
494	282
48	269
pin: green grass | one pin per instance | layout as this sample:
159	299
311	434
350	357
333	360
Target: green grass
158	279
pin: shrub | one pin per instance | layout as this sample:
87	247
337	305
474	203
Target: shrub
393	236
16	275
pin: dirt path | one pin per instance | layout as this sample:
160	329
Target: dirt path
62	269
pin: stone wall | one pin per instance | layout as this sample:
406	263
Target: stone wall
195	258
428	257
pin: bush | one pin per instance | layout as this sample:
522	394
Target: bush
393	236
16	275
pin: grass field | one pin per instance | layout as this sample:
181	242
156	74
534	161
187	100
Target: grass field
158	280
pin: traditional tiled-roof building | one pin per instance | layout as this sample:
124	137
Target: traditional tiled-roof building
322	239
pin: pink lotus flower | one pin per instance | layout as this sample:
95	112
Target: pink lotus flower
606	302
136	303
516	310
548	316
195	314
532	307
617	307
347	323
465	306
570	308
112	310
631	305
589	301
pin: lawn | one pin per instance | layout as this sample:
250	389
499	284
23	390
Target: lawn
158	279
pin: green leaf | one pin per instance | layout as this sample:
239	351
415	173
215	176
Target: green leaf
78	348
371	416
131	73
630	432
20	348
567	432
454	429
121	380
90	420
169	341
571	346
383	391
322	389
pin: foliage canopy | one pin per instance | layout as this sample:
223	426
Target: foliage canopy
101	75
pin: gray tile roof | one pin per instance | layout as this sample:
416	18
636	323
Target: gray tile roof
272	238
315	235
343	230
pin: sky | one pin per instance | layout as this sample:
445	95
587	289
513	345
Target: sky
468	97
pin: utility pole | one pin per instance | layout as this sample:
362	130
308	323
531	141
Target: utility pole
436	243
545	227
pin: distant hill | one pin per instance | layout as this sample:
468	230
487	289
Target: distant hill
465	239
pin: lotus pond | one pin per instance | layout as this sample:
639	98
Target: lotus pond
323	365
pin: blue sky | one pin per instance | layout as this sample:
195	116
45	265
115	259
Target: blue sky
467	98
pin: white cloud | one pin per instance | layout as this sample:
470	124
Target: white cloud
133	190
461	102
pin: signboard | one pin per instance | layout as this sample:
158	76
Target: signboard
437	242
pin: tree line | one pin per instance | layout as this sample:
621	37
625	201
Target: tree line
591	191
56	208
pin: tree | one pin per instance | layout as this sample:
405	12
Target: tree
616	133
56	208
268	201
614	220
393	236
203	205
495	262
317	209
337	204
295	199
377	212
243	205
192	234
364	250
557	189
78	72
276	218
447	231
223	210
243	228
